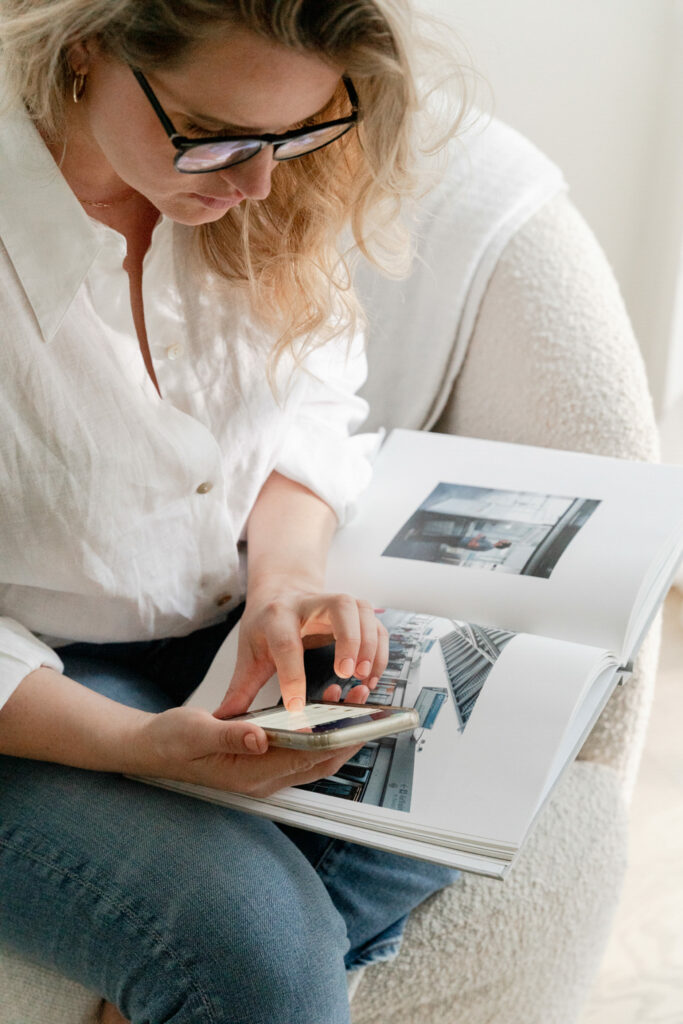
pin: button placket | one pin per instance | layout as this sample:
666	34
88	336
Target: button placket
164	314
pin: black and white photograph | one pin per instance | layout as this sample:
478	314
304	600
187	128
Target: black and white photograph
518	532
438	666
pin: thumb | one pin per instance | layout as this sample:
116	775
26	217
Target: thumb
248	678
239	738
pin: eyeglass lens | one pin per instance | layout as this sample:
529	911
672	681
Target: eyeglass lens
216	155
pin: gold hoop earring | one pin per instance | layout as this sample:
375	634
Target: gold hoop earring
79	86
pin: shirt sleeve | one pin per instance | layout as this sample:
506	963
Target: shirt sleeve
21	653
321	449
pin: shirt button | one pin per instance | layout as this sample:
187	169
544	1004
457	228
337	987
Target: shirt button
205	487
223	599
174	351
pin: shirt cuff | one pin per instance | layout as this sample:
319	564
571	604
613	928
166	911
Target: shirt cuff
20	654
336	468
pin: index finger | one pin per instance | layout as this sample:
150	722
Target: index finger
282	632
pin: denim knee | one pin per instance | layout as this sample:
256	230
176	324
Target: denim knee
176	910
272	954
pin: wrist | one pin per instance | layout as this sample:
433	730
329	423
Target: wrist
109	738
266	585
136	754
50	717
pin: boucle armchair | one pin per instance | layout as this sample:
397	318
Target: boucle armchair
510	328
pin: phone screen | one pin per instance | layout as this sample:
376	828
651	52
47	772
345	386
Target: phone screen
319	718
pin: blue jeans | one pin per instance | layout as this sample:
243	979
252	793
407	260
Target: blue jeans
178	910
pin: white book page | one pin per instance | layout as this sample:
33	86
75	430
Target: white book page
494	708
439	854
535	540
486	781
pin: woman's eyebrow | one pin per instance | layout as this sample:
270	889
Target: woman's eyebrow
224	125
240	129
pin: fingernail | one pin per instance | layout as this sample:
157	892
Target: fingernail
373	682
363	668
346	667
251	742
295	704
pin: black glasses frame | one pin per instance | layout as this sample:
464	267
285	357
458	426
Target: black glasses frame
183	143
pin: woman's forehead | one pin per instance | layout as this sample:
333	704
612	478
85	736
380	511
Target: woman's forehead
248	82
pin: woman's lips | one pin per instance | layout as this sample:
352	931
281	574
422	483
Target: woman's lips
215	202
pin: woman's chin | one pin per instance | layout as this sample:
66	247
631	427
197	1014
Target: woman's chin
186	209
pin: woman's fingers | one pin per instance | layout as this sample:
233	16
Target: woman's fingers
355	633
381	656
282	633
368	671
325	765
357	694
211	735
277	768
240	738
273	638
353	625
367	653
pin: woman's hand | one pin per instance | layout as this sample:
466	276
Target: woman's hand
50	717
191	745
195	746
279	622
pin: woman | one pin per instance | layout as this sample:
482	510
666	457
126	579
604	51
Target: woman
179	362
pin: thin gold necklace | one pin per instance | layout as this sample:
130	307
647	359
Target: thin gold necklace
114	202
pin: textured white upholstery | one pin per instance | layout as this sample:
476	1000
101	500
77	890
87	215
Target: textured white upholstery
34	995
522	952
551	361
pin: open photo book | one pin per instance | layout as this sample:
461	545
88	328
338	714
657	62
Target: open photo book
516	584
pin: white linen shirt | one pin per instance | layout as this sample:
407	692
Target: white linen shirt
120	510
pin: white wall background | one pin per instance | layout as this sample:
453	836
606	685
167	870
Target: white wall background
598	86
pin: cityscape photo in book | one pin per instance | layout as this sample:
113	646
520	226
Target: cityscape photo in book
516	585
437	666
485	528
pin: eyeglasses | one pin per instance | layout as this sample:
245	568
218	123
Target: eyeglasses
198	156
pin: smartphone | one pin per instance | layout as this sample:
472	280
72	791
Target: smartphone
328	724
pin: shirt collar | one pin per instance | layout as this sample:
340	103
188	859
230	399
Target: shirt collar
49	238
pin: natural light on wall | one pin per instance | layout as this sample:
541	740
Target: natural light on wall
598	86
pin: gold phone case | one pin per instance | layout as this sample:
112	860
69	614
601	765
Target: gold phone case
400	720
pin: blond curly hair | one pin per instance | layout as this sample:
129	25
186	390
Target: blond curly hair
284	251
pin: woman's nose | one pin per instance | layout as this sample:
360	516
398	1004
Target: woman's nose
252	178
